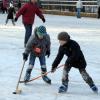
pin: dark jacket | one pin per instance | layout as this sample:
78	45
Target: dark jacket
11	12
73	52
28	12
35	42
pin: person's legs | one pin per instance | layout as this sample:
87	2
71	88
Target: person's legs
44	69
6	21
78	13
64	86
88	80
6	10
43	64
3	11
29	69
28	32
13	21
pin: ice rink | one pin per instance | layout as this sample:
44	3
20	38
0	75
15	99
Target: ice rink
86	31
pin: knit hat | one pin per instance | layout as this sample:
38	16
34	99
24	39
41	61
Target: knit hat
63	36
41	30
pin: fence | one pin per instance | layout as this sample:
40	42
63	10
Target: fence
89	6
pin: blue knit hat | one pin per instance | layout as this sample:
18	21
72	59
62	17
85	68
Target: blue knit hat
41	30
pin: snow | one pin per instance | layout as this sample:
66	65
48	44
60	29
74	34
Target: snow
86	31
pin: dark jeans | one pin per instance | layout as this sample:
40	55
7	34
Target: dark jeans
42	62
41	59
32	62
28	32
78	14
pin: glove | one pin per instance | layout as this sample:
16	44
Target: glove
16	19
25	56
48	53
53	70
43	19
67	64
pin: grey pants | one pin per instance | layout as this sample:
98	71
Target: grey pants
83	73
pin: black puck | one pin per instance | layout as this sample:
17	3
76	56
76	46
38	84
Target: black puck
14	92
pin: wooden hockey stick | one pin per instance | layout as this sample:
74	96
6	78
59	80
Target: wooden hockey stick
18	91
39	76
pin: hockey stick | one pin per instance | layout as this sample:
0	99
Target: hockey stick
17	91
39	76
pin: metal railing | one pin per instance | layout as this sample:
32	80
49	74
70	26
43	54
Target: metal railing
89	6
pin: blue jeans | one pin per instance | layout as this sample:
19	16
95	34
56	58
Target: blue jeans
78	14
41	59
42	62
28	32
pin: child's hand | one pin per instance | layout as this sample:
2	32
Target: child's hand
43	19
53	70
25	56
48	53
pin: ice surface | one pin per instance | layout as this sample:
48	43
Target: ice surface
86	31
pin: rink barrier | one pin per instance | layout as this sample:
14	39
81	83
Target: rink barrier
66	13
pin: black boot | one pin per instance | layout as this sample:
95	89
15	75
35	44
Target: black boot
94	88
63	88
46	79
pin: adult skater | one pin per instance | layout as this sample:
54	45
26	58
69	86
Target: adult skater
76	59
37	46
28	12
79	7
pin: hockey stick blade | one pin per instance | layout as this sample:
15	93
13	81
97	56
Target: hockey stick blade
17	92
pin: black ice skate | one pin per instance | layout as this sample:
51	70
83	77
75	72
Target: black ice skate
46	79
63	89
94	88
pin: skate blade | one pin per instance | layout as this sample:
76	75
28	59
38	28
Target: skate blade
61	92
49	83
96	92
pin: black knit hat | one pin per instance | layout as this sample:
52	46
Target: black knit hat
63	36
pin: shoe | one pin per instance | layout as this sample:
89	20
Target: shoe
63	89
46	79
94	88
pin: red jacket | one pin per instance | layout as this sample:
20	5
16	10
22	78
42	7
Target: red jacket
28	12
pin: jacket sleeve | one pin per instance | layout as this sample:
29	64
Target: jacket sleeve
21	11
75	54
58	58
48	42
39	12
29	45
